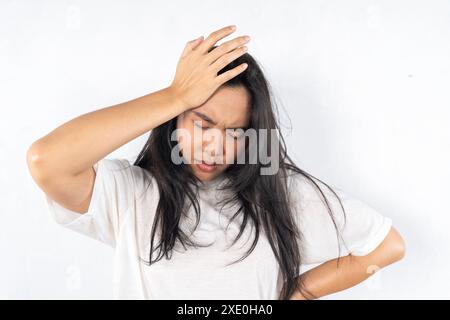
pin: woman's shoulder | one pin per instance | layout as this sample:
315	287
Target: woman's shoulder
129	174
301	181
306	188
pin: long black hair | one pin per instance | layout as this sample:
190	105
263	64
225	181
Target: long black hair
262	199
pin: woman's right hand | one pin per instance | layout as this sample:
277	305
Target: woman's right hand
196	76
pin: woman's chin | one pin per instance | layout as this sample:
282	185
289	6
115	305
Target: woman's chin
206	175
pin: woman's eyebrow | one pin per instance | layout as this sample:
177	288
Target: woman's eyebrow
208	119
204	117
234	128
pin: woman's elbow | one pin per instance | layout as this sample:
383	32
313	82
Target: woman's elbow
398	245
393	247
391	250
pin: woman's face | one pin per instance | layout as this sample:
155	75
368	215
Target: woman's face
206	135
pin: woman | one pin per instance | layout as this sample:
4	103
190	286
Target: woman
189	220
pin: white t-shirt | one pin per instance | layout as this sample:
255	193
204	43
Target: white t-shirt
121	214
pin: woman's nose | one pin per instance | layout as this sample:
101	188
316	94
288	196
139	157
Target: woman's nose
213	146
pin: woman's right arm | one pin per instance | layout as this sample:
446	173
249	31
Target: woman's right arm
61	162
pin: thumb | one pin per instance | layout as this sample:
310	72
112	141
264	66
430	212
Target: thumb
191	45
196	42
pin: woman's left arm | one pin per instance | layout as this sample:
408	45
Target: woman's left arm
329	278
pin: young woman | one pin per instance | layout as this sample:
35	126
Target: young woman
208	226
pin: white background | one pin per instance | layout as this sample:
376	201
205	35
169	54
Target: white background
364	83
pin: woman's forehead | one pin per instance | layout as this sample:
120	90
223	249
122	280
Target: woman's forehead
227	106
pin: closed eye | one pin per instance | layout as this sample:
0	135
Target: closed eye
236	134
198	124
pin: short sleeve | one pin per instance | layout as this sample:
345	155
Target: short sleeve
113	194
360	230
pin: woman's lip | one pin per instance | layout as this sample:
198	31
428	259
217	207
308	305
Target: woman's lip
201	161
203	166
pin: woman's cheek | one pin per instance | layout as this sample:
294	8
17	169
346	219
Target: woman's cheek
185	146
231	151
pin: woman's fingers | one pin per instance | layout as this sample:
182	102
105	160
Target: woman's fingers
196	42
196	76
230	74
226	47
214	37
191	45
224	60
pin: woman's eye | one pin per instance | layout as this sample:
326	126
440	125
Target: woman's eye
236	134
198	125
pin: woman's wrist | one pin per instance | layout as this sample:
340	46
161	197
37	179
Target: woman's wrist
175	100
